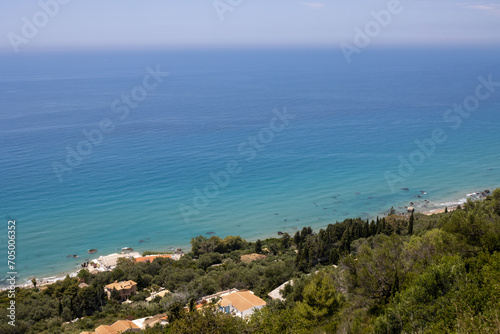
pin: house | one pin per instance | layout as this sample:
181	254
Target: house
241	303
146	322
277	293
125	288
160	294
216	296
134	326
108	262
121	326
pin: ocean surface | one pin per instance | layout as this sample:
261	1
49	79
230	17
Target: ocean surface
345	144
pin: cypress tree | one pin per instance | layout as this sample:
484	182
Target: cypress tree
366	230
395	285
258	246
410	225
296	238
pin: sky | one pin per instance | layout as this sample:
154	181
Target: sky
134	24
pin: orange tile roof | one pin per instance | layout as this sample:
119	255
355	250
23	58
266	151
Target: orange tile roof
242	300
150	258
121	285
116	328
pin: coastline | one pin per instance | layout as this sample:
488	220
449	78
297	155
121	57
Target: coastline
423	206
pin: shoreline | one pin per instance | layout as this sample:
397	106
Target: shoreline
421	206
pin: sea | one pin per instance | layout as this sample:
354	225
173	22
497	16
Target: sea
150	148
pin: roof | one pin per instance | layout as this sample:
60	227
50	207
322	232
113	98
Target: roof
121	285
150	258
276	293
160	294
242	300
116	328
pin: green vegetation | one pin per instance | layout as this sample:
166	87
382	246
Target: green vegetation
397	274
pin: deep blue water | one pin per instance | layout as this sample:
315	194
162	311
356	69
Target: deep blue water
350	125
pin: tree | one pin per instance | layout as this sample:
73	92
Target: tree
320	298
285	241
191	305
115	295
208	259
296	238
372	273
84	274
258	246
410	225
209	320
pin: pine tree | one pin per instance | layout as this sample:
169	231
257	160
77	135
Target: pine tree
446	210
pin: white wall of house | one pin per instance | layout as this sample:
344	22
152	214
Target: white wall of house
250	311
243	314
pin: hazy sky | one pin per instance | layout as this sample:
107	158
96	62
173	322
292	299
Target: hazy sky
196	23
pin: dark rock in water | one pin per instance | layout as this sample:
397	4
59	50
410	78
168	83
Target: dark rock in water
210	233
406	189
487	191
370	197
419	196
75	256
358	193
68	256
490	168
276	214
127	249
280	233
92	251
141	241
285	220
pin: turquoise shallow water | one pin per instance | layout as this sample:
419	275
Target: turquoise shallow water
350	126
